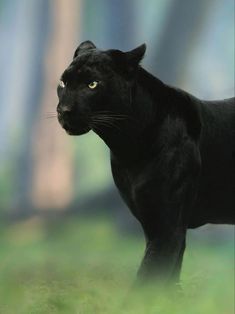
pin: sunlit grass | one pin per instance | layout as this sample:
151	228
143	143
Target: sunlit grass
87	266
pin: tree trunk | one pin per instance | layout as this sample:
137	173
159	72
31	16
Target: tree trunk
53	159
184	24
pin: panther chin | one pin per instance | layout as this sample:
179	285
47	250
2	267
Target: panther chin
76	131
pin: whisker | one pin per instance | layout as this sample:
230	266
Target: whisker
107	120
49	115
110	117
108	114
96	125
105	123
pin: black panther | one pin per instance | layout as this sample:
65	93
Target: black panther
172	154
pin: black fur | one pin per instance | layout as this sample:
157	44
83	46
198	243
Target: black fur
172	155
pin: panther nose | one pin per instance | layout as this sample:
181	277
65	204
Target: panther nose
63	109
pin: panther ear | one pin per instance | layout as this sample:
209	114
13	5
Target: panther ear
127	62
86	45
134	56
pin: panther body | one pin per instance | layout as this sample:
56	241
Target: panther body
172	154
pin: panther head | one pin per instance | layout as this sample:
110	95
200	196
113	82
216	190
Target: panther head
96	88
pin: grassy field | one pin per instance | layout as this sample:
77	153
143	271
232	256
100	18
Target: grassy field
87	266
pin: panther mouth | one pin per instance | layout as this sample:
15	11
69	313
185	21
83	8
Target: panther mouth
78	128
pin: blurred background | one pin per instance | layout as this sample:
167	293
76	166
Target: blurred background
49	180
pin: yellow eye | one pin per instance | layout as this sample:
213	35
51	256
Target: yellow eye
93	85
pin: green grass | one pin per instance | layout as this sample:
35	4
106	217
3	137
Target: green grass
87	266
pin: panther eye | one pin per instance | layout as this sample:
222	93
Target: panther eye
61	84
93	85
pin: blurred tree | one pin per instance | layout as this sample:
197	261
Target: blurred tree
110	23
120	23
53	160
23	30
184	23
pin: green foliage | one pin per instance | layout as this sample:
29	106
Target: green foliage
86	266
6	186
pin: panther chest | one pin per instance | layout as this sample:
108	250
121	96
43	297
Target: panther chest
124	183
128	182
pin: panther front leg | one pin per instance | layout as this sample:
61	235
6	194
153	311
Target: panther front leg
163	206
163	255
